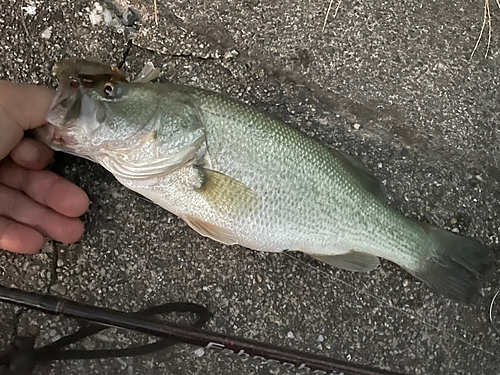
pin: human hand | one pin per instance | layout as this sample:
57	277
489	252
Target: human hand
33	202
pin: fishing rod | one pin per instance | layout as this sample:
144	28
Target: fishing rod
189	335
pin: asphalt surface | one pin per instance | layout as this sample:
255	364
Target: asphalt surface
390	82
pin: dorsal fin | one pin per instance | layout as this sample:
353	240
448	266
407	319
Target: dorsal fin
362	173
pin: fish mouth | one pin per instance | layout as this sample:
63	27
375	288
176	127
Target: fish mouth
66	105
68	119
61	131
55	135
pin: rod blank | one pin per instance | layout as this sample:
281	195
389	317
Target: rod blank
189	335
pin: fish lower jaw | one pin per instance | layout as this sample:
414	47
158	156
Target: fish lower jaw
57	137
63	139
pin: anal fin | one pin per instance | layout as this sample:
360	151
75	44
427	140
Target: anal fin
351	261
211	231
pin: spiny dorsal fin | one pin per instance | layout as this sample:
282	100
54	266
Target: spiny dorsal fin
211	231
225	193
363	174
351	261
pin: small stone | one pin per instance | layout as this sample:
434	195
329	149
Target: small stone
453	221
230	54
259	278
60	263
58	288
320	338
356	126
83	30
88	345
455	230
199	352
33	330
30	10
290	335
48	248
47	33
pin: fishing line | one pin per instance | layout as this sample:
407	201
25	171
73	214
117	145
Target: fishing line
412	316
104	317
491	310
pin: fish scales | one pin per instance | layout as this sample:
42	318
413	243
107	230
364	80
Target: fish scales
311	202
240	176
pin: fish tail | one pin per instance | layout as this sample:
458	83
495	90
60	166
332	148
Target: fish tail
456	268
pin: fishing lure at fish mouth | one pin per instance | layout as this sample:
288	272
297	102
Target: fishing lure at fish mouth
238	176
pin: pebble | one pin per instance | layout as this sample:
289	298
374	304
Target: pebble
290	335
83	30
320	338
199	352
58	288
47	33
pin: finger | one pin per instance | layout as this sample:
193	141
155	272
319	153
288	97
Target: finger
19	238
19	207
46	188
32	154
22	107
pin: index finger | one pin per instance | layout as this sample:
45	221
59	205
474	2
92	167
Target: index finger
22	107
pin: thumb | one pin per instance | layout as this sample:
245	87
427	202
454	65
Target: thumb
22	107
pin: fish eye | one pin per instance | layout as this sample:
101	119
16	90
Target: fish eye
112	90
109	90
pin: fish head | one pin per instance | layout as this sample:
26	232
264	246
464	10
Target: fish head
94	115
134	129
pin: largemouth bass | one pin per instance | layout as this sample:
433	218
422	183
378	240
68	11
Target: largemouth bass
239	176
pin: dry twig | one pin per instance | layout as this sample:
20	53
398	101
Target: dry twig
486	20
335	14
156	13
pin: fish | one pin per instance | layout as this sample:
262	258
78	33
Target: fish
241	177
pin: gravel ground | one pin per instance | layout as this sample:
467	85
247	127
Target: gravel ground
387	81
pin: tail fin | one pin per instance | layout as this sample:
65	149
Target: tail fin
457	267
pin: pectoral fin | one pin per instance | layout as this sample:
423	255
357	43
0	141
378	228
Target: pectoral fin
352	261
226	194
211	231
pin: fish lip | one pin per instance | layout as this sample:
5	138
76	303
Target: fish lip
61	137
56	137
